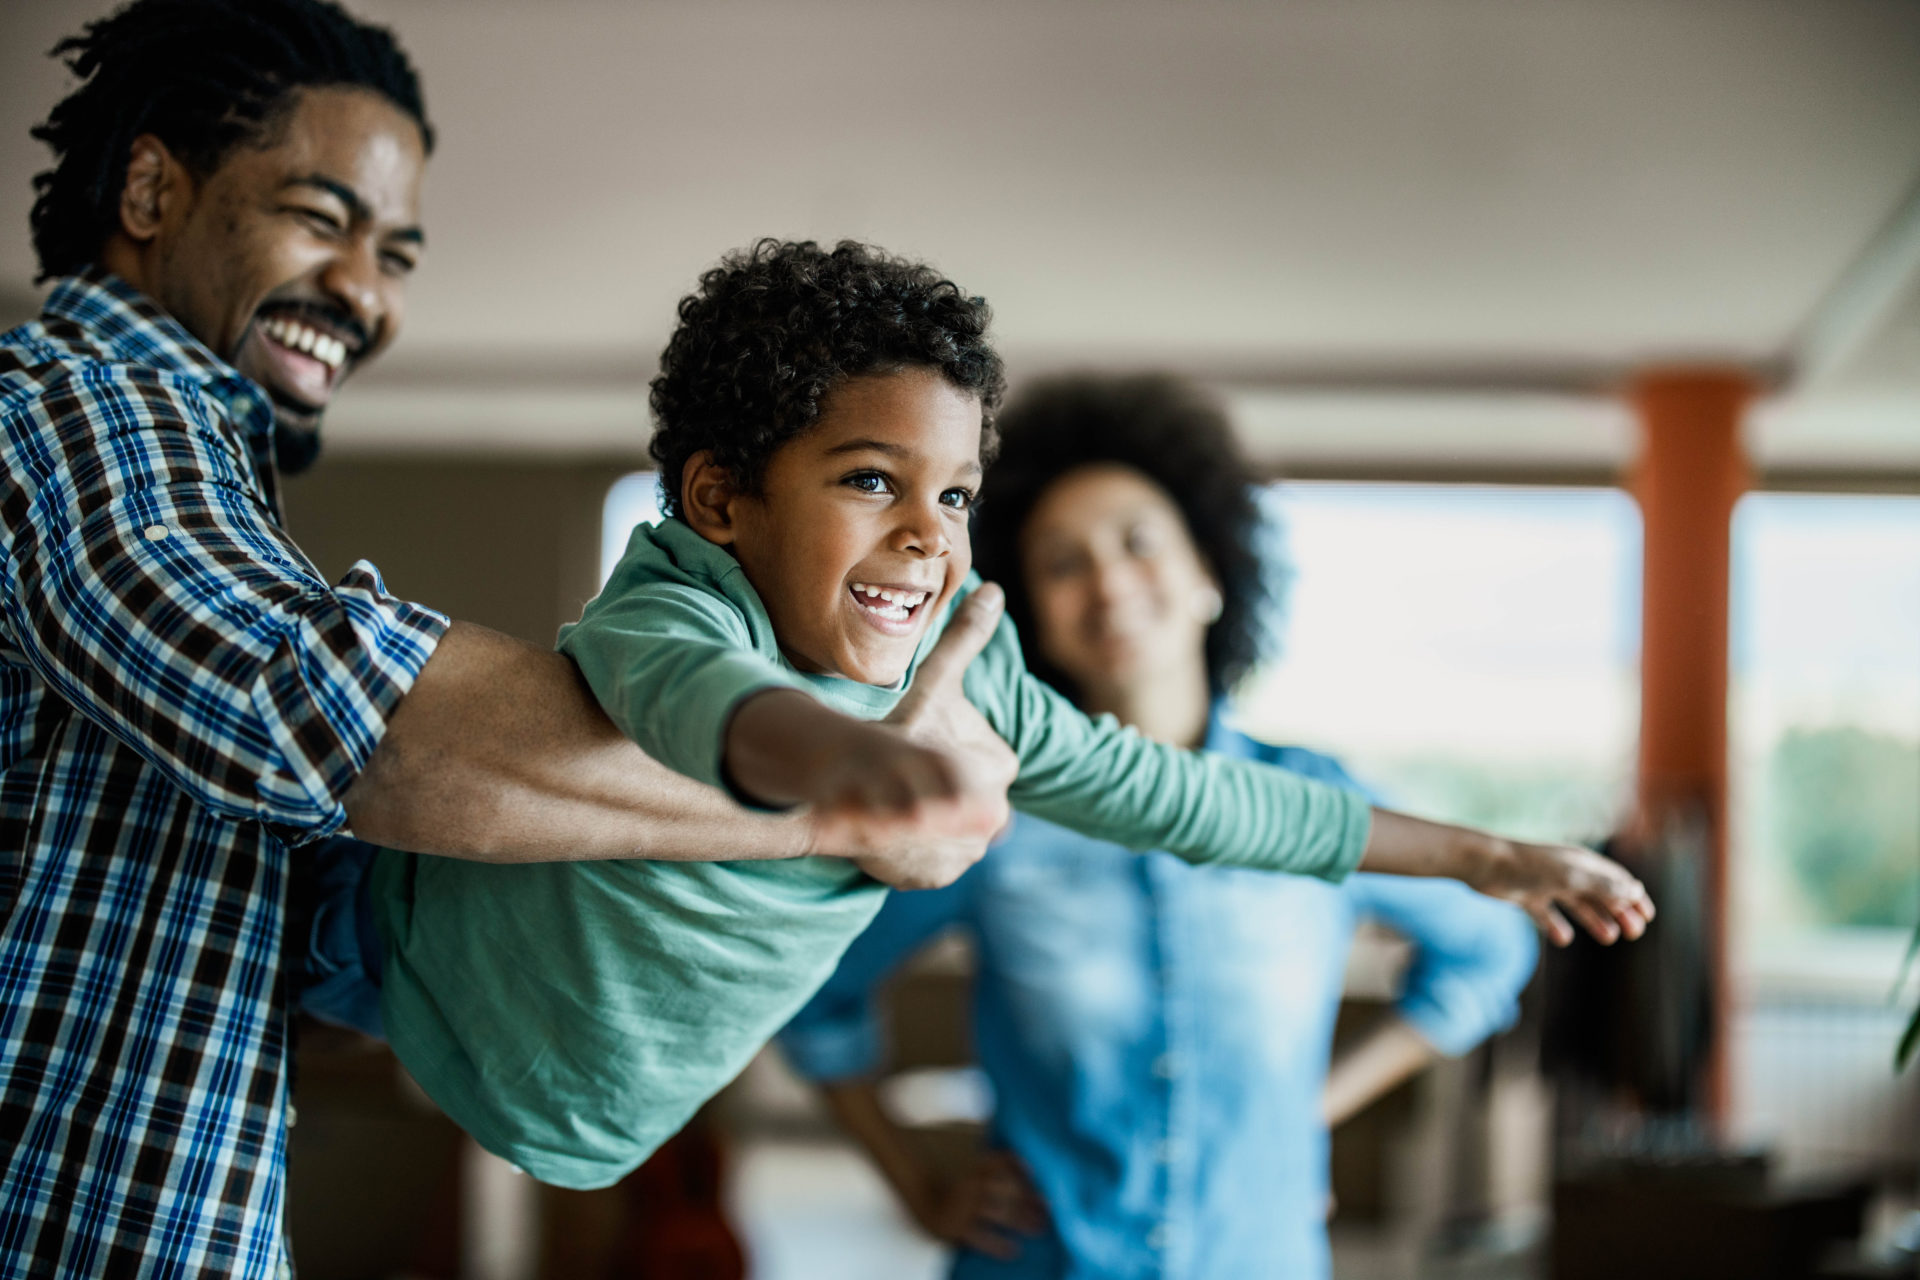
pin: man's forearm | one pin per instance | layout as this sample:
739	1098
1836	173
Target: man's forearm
499	753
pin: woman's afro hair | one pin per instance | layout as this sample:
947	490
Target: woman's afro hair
1176	436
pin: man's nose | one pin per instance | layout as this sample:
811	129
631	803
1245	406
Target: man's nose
353	279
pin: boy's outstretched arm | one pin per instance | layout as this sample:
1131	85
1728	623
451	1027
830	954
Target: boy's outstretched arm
1549	881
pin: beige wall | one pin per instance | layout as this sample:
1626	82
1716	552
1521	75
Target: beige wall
510	542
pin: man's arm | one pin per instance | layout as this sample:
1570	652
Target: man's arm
500	754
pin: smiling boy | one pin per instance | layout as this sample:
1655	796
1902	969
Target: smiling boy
823	420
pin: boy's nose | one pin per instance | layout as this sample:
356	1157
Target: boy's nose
925	536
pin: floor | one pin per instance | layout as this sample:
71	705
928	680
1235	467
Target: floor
817	1211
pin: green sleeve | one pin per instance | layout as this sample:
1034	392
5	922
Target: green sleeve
1106	781
669	663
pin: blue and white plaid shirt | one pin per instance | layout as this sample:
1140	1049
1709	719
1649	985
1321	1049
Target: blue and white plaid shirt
182	698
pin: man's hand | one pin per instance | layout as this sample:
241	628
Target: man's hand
913	799
936	714
1607	900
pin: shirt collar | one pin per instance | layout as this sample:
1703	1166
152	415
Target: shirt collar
130	327
1222	740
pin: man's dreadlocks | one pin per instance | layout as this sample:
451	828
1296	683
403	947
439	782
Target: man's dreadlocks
203	76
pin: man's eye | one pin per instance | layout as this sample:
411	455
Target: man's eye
958	499
398	263
868	482
324	222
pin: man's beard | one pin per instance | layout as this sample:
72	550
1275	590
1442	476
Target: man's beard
295	447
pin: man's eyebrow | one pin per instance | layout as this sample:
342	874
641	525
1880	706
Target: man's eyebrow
357	208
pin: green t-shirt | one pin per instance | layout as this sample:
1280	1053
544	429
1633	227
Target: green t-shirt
572	1016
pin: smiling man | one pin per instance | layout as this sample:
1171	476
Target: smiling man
230	223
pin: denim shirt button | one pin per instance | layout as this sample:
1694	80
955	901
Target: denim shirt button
1160	1237
1166	1066
1166	1150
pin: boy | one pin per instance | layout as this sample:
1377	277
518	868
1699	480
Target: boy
823	422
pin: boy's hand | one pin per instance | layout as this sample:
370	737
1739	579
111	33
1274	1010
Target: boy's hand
1546	880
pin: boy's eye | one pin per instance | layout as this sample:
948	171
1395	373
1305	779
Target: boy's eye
958	499
868	482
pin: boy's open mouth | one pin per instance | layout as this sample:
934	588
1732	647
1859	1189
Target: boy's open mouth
890	608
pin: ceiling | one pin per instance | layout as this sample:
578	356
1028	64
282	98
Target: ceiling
1398	229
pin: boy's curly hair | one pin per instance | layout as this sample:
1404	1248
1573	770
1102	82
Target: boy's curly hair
1173	433
775	328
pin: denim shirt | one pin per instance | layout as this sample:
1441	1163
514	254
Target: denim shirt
1157	1035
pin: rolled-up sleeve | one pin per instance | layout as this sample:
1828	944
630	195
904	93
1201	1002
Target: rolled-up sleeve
1472	956
148	583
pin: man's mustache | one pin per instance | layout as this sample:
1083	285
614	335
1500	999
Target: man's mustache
343	322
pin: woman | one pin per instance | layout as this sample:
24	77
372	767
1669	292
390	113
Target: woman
1156	1034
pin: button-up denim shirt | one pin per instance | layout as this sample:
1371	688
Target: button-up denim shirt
1157	1035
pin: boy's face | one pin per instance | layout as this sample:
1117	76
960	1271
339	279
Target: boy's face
859	534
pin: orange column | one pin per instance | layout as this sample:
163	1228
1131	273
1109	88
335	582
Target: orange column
1691	471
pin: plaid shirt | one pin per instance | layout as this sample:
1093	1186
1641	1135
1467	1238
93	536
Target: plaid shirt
182	698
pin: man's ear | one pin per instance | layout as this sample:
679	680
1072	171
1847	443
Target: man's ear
156	182
707	498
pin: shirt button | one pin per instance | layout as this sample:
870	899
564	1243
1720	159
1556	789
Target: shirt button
293	1115
1166	1150
1166	1066
1160	1237
285	1271
158	533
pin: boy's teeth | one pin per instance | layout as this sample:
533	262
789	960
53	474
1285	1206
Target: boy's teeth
904	599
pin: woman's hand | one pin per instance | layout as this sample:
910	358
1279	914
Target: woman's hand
987	1209
1547	880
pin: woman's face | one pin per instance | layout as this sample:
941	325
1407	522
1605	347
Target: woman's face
1120	594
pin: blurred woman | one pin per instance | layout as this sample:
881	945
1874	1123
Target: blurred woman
1156	1035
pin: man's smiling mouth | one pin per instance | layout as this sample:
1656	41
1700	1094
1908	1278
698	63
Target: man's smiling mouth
305	353
307	340
892	609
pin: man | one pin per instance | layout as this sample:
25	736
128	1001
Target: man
231	219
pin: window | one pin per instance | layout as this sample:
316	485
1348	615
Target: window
1825	720
633	499
1470	651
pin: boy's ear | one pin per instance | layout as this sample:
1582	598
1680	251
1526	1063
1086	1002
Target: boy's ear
707	496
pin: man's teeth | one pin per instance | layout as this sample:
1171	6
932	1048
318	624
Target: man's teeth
897	605
325	348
